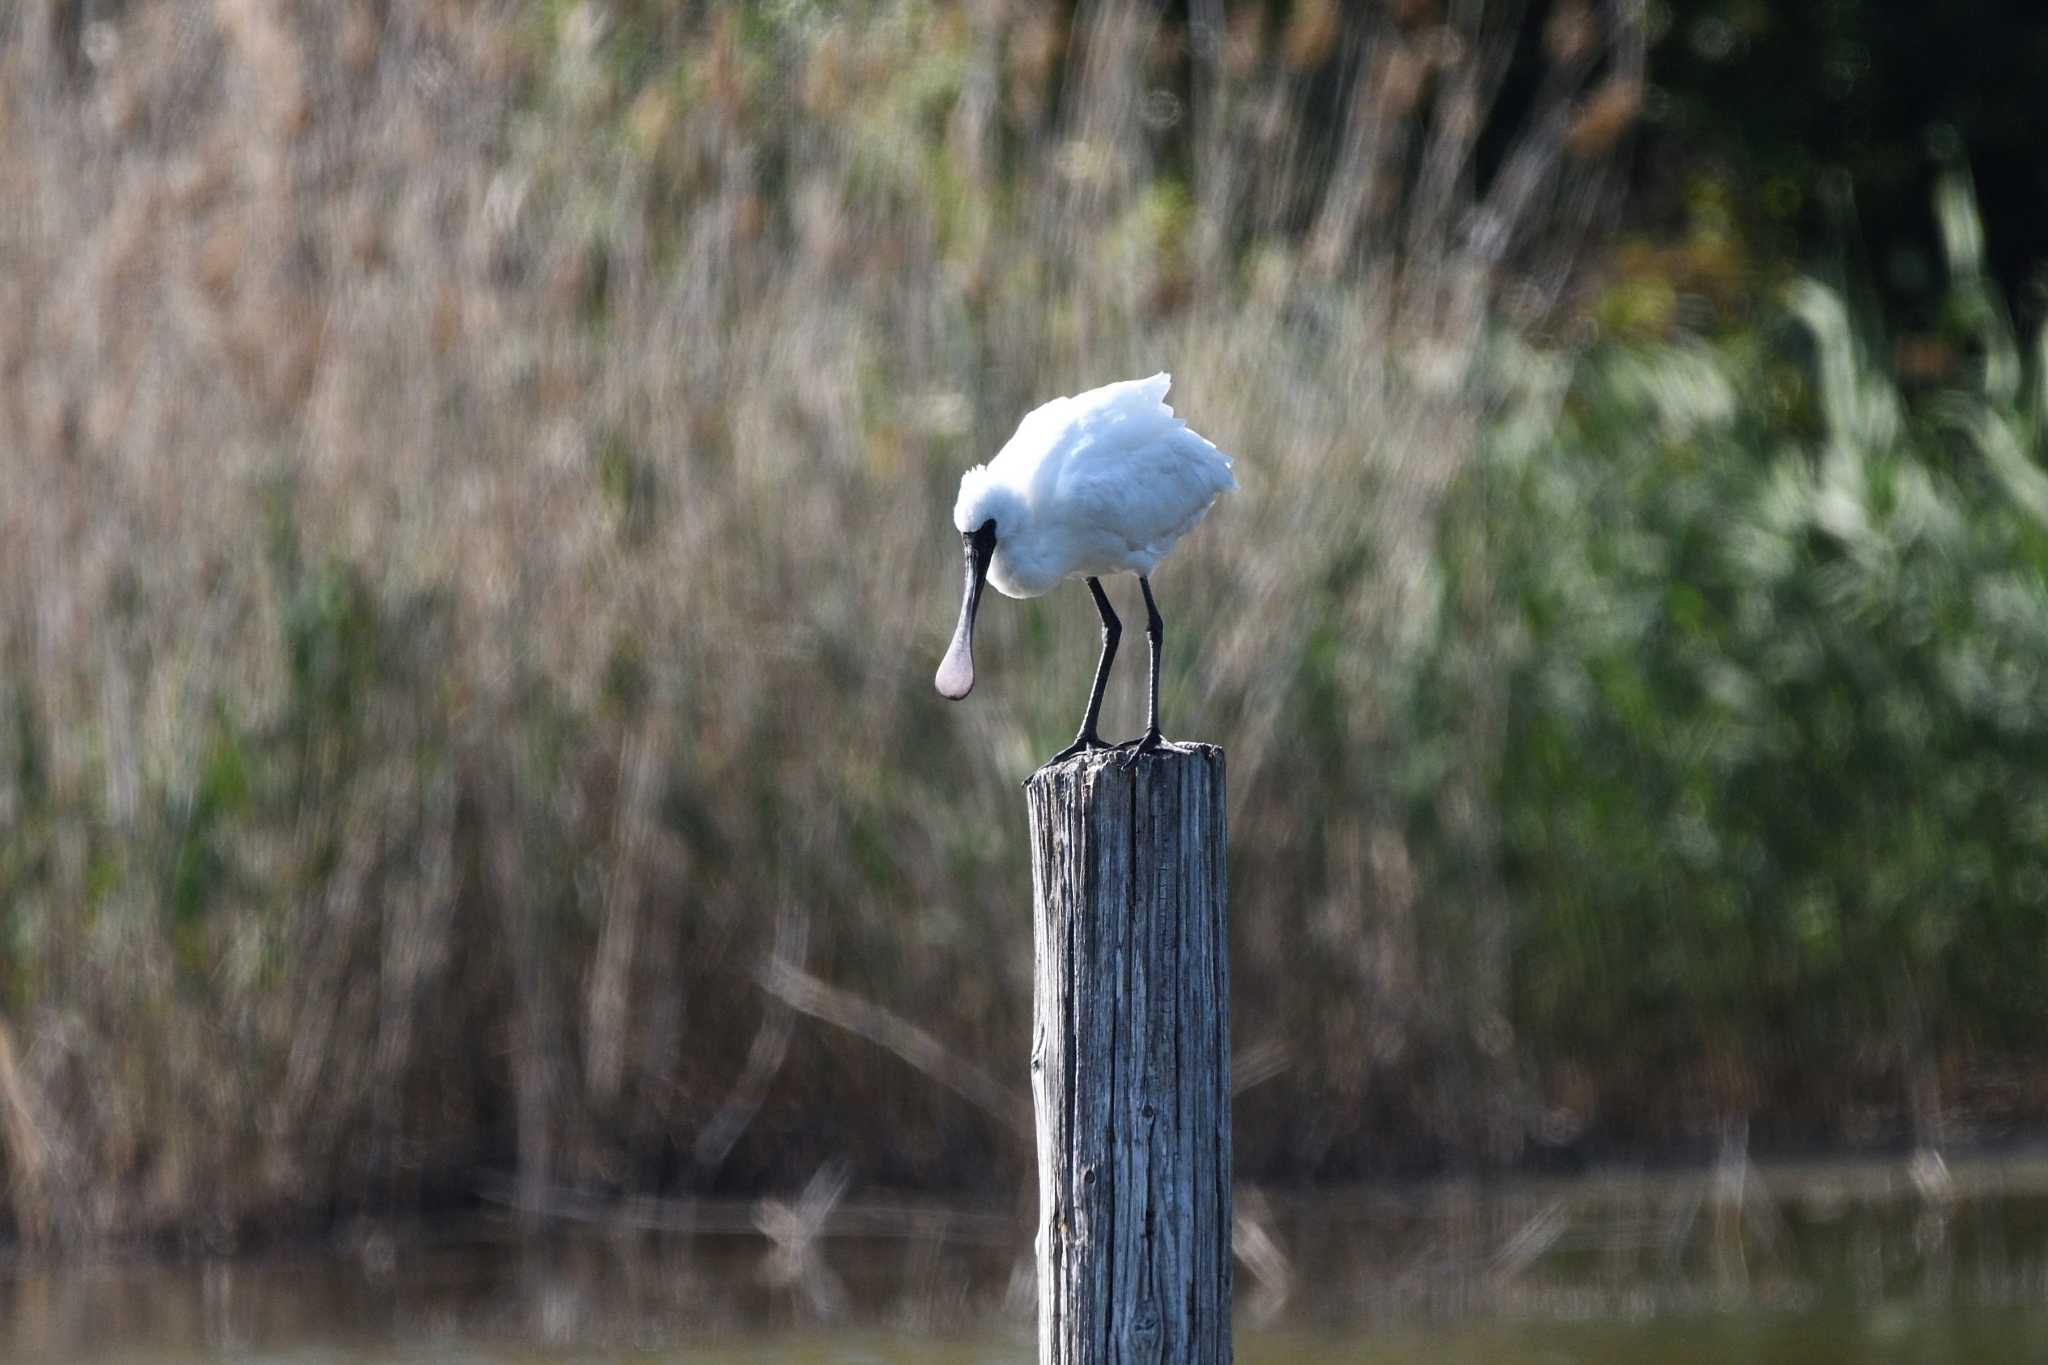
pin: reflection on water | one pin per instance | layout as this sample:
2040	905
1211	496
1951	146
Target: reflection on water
1906	1261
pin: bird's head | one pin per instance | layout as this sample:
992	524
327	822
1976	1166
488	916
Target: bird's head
984	508
983	498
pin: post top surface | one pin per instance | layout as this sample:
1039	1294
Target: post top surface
1094	760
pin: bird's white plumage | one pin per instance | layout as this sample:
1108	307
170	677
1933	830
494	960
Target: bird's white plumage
1103	482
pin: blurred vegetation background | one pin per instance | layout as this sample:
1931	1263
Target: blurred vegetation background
473	548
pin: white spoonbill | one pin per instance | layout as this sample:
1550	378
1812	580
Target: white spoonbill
1101	483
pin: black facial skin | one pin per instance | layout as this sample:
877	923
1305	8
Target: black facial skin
956	671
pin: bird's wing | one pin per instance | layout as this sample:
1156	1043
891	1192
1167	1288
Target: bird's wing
1130	397
1136	474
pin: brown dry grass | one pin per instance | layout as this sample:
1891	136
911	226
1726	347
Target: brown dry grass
473	546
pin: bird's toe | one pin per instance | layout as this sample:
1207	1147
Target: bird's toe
1082	744
1151	742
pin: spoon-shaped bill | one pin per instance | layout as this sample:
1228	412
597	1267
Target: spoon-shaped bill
955	678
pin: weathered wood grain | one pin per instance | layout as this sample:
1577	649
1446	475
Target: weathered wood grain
1130	1058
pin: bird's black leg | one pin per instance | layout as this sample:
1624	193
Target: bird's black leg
1155	629
1112	631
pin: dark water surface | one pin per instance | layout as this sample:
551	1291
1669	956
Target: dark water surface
1883	1262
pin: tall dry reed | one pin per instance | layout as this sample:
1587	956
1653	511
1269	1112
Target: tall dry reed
473	545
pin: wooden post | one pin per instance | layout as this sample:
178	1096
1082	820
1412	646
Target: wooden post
1130	1059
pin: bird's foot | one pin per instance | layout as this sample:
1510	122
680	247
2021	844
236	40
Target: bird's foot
1151	742
1085	742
